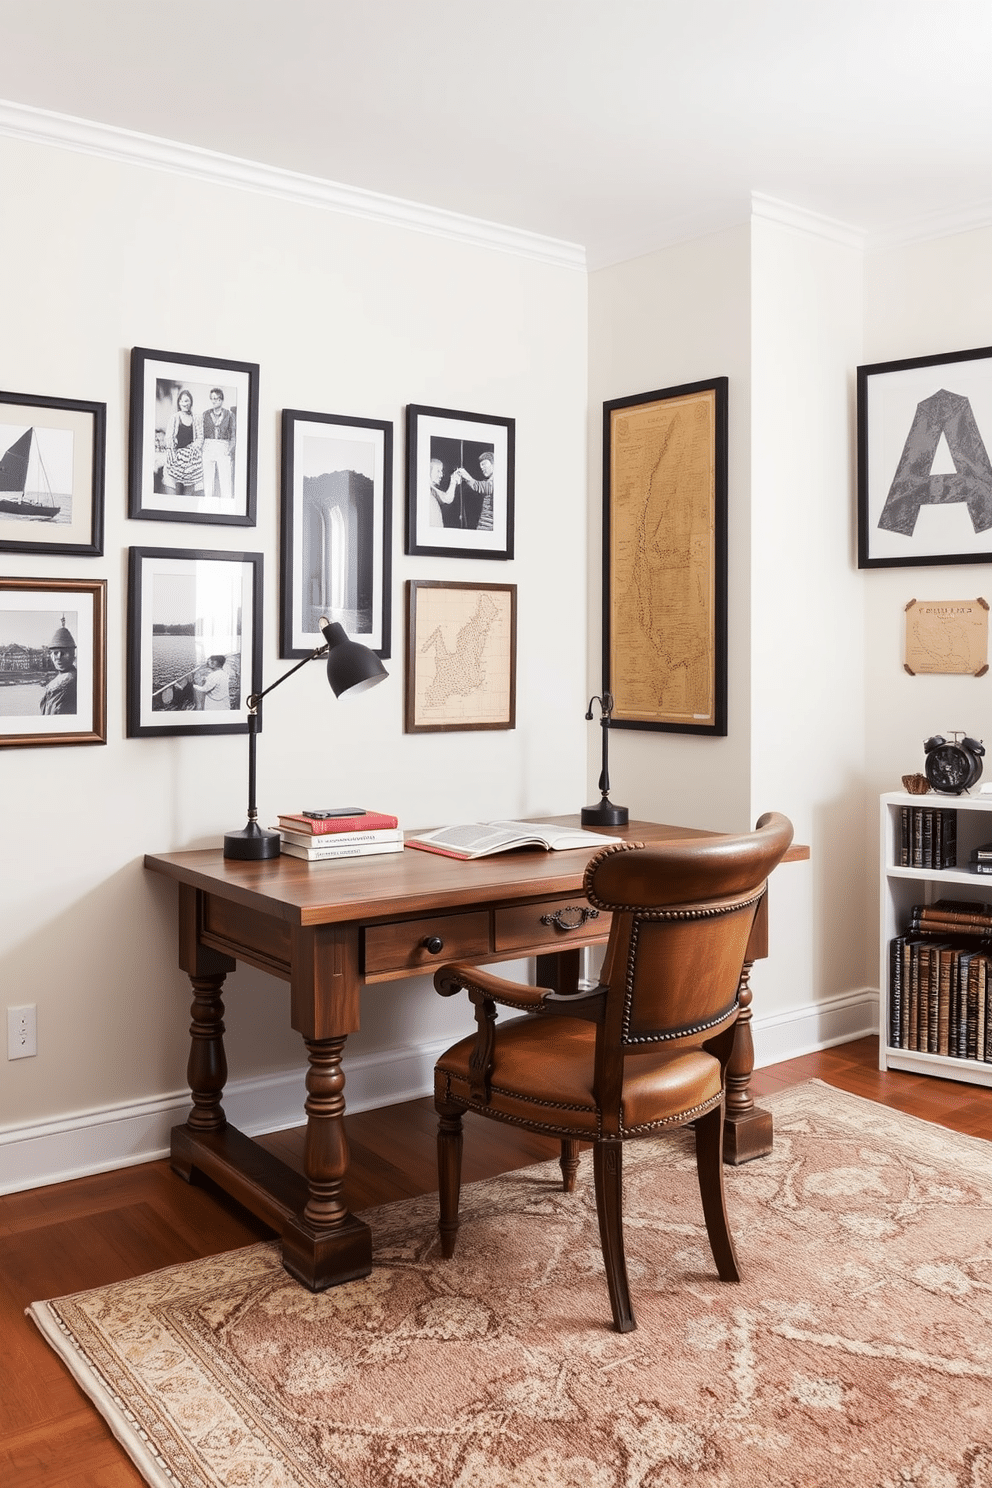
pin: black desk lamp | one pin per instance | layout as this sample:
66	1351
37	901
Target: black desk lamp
351	668
604	813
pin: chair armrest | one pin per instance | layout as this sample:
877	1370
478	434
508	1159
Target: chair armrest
458	976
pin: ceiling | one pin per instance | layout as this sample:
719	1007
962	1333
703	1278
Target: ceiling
619	125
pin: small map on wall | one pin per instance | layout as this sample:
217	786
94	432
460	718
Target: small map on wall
947	635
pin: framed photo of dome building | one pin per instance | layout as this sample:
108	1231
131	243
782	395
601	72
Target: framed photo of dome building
53	662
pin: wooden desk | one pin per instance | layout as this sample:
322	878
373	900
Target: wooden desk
331	928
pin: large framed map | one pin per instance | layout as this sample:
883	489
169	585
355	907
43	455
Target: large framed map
461	664
665	558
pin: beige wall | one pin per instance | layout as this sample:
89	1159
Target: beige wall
346	316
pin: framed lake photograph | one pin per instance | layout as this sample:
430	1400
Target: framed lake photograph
461	661
924	472
53	662
459	484
336	541
193	439
194	640
52	454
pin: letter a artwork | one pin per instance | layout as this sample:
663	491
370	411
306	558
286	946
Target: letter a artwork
914	484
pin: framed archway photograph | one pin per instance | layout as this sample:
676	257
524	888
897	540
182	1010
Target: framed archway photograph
336	530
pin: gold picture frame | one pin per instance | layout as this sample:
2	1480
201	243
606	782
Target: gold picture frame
461	661
53	662
665	558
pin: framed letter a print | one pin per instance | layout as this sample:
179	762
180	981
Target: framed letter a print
925	461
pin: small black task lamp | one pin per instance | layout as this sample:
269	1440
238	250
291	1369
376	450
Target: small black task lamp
351	668
604	813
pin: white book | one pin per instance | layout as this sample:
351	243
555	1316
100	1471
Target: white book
479	839
340	839
340	850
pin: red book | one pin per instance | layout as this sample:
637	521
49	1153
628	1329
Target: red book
369	821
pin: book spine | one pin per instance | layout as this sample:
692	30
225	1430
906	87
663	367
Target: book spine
950	857
323	854
916	858
896	951
304	839
331	825
941	1039
905	835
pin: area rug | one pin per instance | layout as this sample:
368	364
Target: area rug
856	1351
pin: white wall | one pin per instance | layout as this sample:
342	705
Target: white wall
676	316
777	310
344	315
921	300
807	643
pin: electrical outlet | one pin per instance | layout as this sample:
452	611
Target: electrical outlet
22	1032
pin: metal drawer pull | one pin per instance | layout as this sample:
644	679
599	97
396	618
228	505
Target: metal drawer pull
560	923
434	944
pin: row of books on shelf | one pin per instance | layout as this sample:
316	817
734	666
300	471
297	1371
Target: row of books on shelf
940	981
928	837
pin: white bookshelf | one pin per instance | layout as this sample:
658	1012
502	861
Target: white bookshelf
901	888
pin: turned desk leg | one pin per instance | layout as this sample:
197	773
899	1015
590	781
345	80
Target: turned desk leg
326	1245
747	1130
206	1069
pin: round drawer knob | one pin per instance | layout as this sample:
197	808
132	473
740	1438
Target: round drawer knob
434	944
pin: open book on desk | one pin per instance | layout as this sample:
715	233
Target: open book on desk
480	839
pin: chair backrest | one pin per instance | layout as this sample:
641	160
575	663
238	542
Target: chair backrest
682	917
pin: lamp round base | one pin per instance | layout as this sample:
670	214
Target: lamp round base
604	814
252	843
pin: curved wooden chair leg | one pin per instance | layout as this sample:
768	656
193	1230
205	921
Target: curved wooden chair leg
608	1171
569	1163
449	1172
709	1167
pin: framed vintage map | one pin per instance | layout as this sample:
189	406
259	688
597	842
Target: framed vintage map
461	661
665	558
949	636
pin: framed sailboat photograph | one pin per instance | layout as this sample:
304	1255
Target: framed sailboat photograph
51	475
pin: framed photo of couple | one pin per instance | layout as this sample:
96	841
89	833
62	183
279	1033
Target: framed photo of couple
459	484
194	439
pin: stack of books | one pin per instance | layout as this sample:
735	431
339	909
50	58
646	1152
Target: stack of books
981	858
317	839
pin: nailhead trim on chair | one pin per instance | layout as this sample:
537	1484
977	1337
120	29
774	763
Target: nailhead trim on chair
583	1136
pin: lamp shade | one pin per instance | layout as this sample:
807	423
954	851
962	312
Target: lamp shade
351	667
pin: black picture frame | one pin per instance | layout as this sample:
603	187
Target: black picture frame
665	471
36	707
44	441
336	538
158	457
480	621
448	516
924	467
185	606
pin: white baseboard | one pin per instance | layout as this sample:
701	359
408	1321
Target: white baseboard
817	1025
121	1136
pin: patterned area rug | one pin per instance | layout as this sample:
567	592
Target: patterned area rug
856	1351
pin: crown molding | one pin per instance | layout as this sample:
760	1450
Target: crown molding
937	225
124	146
769	209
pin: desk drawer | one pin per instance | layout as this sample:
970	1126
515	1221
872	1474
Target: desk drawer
571	919
403	946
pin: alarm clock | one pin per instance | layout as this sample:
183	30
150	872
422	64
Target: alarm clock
953	766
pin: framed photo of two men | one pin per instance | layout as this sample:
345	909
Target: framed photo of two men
194	439
459	484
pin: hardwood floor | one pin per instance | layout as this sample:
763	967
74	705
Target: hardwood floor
105	1228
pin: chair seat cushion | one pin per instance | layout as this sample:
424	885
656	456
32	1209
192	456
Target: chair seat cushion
542	1077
